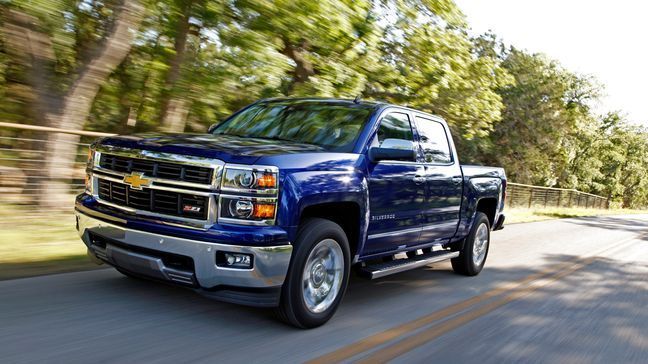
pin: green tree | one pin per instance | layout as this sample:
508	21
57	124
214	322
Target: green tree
172	65
329	44
544	109
65	65
429	62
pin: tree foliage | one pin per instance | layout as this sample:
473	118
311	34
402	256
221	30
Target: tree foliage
185	64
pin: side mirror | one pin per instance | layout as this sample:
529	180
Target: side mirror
393	149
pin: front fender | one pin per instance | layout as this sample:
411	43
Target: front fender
308	188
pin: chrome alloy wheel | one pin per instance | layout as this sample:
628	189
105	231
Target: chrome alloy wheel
322	276
480	245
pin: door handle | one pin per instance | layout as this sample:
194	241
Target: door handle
418	179
457	180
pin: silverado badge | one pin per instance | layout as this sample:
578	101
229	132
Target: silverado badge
136	181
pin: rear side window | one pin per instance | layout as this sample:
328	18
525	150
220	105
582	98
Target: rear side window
395	126
433	141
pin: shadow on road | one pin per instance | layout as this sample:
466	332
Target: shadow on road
612	223
594	313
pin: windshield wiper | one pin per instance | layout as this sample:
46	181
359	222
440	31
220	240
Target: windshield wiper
274	137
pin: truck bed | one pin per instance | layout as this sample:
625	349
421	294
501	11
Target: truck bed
473	171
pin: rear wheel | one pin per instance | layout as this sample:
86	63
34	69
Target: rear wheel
318	274
475	250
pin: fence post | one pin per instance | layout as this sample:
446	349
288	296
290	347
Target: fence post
560	198
546	198
578	200
530	196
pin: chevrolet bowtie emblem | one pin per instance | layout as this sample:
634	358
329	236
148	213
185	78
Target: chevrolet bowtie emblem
137	181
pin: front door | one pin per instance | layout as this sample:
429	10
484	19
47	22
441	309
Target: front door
396	192
443	179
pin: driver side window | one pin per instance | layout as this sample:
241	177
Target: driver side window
396	127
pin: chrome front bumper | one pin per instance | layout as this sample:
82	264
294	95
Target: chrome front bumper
270	264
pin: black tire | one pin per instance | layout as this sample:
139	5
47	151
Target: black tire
464	263
292	307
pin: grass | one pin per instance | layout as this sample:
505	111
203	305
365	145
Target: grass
37	244
518	215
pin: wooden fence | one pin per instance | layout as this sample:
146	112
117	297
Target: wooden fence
519	195
22	148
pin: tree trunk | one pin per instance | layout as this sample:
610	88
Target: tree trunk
176	115
173	115
62	148
31	51
303	67
30	47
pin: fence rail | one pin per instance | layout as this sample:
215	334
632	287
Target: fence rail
520	195
23	180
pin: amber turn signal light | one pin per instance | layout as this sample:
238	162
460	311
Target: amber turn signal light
264	211
267	180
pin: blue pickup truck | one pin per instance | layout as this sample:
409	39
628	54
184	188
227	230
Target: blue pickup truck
276	205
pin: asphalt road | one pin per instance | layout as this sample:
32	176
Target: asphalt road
573	290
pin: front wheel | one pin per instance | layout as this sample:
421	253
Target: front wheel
472	257
318	274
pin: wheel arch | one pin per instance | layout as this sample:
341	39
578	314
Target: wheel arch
488	205
347	214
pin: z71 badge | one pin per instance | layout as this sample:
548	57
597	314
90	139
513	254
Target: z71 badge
190	208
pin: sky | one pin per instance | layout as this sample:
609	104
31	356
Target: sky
606	39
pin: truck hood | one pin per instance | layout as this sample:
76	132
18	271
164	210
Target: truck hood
230	149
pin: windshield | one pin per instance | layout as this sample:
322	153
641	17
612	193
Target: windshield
334	127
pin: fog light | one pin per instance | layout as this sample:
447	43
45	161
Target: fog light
233	260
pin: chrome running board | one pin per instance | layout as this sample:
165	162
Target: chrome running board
401	265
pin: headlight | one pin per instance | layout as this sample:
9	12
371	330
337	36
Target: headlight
248	209
240	208
261	179
249	195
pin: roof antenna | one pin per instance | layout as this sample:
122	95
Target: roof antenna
357	99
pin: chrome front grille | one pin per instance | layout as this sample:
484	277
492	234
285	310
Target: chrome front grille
157	169
159	201
174	189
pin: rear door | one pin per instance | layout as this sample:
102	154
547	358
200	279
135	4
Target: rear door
444	180
396	191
